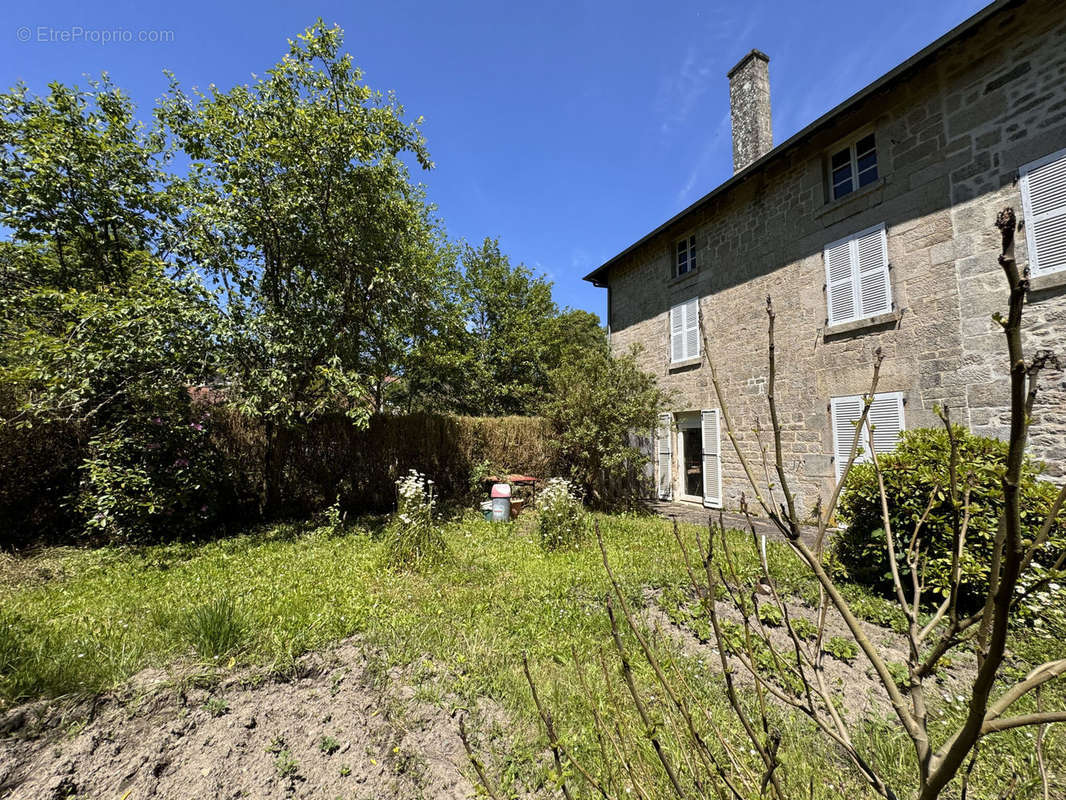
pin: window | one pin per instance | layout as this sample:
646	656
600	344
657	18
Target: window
685	256
853	167
857	284
886	417
685	330
1044	205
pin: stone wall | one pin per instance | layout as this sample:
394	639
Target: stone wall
950	136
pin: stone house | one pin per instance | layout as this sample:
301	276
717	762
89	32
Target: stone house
870	228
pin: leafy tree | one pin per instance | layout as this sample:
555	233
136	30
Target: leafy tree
299	202
600	407
509	312
96	335
498	336
80	183
573	333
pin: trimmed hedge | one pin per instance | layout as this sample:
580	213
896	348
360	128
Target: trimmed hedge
310	467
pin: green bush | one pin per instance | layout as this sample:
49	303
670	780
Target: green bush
562	519
150	477
412	538
915	469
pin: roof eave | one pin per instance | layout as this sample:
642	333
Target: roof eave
598	277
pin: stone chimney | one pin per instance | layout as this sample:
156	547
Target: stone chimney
749	108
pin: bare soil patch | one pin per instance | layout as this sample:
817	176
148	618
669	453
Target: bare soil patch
331	732
854	682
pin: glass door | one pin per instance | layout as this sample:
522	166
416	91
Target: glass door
690	441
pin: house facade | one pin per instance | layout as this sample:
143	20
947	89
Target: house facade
871	229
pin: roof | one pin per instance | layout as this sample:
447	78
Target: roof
919	59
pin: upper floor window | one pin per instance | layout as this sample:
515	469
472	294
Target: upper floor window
884	421
685	330
857	284
853	167
1044	205
685	255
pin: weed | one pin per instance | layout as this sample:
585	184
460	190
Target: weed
285	765
841	649
345	770
214	628
561	521
413	538
216	706
770	615
804	628
329	745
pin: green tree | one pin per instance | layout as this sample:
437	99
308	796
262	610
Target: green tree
601	406
509	312
94	331
299	202
80	185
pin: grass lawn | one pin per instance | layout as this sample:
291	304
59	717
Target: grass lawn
82	621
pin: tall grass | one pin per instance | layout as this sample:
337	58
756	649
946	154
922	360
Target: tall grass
215	628
463	624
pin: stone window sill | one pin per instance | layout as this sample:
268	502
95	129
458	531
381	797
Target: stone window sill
1048	282
688	362
859	200
862	324
681	279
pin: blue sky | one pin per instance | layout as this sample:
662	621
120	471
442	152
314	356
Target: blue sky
568	130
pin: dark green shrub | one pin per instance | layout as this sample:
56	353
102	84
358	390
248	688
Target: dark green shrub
152	476
915	469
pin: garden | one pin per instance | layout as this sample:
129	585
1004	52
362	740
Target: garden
250	398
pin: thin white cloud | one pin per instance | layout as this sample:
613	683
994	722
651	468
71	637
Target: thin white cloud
680	92
711	150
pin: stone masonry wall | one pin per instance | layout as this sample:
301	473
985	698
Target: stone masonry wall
950	139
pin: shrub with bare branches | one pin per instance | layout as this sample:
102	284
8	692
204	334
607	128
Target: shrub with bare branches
773	660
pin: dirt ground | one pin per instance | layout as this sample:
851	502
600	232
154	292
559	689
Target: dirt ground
330	734
854	682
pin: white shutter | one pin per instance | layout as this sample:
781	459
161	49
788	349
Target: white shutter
839	282
886	417
692	328
857	283
845	412
871	258
677	333
1044	207
712	459
685	330
664	438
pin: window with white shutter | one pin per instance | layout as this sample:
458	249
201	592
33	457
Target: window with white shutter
885	417
685	330
1044	205
664	447
857	283
712	459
